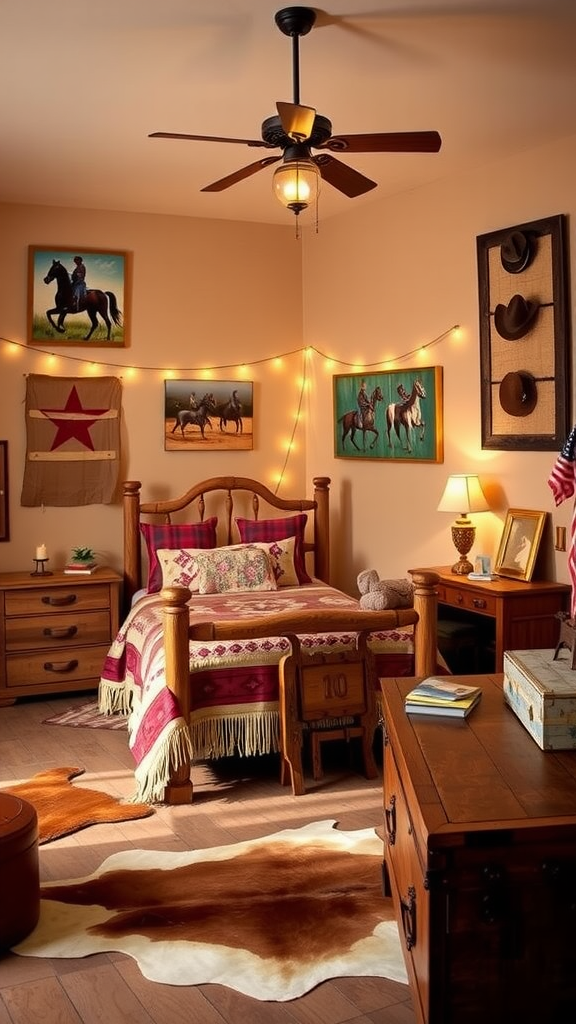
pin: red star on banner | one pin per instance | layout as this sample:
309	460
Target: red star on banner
74	421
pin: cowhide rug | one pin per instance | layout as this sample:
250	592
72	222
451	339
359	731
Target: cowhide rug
271	918
63	808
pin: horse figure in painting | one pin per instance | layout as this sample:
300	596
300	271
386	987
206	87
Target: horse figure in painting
351	422
406	414
232	412
196	417
95	302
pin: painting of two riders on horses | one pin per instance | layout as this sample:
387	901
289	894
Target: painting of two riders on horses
77	296
389	414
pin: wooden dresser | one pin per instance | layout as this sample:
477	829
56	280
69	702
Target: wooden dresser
55	631
480	858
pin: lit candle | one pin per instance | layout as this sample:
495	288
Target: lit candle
41	553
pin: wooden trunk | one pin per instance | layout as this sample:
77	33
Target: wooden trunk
480	857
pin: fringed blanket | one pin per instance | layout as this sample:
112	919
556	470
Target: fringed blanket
234	684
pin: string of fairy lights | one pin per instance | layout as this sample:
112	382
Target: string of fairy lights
129	371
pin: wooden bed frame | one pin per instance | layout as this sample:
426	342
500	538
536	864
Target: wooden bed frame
178	632
317	508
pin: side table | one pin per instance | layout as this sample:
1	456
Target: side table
521	615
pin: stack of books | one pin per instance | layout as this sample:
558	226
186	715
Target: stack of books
438	696
80	568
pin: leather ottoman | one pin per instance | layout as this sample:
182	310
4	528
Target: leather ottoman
19	871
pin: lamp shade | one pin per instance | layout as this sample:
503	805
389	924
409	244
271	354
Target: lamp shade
463	494
297	184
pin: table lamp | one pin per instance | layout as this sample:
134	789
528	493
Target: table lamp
463	494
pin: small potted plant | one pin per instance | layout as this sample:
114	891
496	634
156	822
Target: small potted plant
83	559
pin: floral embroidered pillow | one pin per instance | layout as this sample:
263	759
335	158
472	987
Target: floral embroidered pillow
234	568
179	567
282	556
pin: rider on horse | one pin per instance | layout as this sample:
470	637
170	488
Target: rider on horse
78	281
364	404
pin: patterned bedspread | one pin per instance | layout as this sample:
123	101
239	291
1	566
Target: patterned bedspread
234	684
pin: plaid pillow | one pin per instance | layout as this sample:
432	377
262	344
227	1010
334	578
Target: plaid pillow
254	530
179	535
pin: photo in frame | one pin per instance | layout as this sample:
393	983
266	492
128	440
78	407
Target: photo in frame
78	297
392	415
4	504
519	543
208	415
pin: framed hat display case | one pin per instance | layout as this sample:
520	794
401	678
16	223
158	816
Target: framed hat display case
524	335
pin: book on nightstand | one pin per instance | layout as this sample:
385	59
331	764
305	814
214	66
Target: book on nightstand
80	568
437	696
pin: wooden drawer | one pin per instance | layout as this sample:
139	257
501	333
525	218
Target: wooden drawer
40	600
55	670
407	877
481	603
67	629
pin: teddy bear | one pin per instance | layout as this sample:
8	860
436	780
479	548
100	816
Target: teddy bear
377	594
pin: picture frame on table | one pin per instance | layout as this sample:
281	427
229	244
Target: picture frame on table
519	543
402	419
208	415
78	296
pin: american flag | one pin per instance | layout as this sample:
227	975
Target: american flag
562	482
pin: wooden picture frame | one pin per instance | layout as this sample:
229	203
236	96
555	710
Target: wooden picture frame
519	543
208	415
4	497
99	317
522	270
404	420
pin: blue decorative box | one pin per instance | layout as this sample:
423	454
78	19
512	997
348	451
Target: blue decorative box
542	693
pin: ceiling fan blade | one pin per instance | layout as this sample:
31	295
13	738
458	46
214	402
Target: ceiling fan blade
297	121
244	172
343	177
385	142
209	138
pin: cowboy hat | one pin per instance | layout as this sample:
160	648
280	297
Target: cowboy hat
516	252
515	320
518	394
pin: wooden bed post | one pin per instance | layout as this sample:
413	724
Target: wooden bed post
322	528
425	634
132	557
177	666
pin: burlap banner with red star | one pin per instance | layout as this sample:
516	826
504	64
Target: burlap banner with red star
72	440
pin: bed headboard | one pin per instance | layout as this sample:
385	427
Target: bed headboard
263	504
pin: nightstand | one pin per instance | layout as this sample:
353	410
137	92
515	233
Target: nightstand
55	631
509	614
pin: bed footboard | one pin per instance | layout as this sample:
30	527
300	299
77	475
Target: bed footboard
178	633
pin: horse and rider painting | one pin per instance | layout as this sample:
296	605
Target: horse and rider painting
395	415
77	297
208	415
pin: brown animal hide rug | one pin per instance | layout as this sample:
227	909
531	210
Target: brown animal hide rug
271	917
63	808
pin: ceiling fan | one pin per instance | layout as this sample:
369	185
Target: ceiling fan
298	129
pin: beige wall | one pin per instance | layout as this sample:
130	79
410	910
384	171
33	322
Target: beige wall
383	280
378	282
204	294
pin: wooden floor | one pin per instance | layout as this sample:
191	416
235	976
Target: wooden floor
241	801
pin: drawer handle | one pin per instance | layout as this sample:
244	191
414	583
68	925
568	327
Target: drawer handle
408	911
459	599
61	666
479	602
64	633
390	817
59	601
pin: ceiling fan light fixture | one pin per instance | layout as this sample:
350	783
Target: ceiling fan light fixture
296	184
